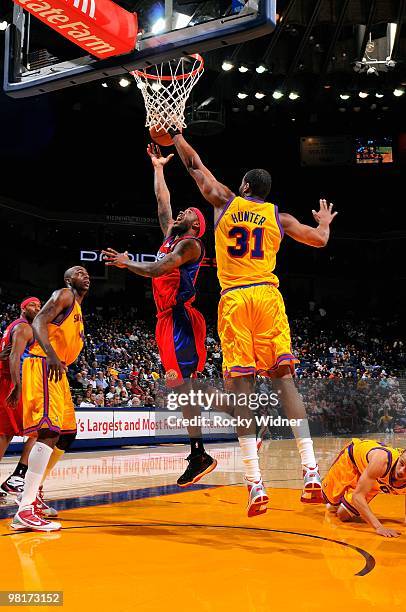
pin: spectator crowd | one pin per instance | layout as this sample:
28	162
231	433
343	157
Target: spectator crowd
350	373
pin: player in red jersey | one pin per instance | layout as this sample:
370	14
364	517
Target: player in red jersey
181	329
14	345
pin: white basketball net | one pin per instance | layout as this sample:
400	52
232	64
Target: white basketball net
166	88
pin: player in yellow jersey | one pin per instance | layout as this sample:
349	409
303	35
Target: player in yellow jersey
362	470
252	323
47	403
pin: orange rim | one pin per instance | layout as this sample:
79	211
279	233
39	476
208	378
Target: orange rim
178	77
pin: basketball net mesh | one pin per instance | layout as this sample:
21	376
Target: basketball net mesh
166	88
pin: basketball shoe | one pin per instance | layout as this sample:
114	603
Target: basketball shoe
40	506
311	493
199	466
27	518
257	498
13	485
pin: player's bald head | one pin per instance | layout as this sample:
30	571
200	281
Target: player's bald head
77	278
71	272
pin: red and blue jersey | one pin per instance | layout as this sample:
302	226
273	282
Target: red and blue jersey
177	287
6	341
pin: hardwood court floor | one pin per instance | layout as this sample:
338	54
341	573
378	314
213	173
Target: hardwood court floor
132	540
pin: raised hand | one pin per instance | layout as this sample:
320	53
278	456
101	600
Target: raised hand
325	214
114	258
156	156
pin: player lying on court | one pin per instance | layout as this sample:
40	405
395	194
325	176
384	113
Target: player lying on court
48	408
362	470
181	328
252	323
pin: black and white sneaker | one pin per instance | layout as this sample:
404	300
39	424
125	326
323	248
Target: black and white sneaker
14	485
199	466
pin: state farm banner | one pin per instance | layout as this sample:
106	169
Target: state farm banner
100	27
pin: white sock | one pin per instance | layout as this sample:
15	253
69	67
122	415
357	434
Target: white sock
37	463
305	448
249	455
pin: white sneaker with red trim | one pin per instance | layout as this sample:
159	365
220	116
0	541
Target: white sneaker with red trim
311	493
26	518
257	498
42	508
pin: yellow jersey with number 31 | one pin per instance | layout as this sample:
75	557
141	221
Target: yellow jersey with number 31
248	234
66	336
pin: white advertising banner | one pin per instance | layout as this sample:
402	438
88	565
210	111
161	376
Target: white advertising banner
115	424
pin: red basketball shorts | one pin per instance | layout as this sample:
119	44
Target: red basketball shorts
11	420
180	336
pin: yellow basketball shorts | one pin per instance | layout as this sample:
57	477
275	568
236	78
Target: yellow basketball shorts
46	403
341	481
254	331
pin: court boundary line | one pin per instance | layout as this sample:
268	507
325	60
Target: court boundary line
370	561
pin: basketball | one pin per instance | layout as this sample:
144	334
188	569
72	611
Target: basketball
161	137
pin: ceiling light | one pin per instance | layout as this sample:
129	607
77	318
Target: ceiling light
379	95
259	95
243	68
242	95
159	26
293	95
250	108
363	94
141	85
345	96
124	82
261	68
398	92
3	25
277	95
226	65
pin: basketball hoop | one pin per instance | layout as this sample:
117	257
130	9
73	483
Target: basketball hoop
166	88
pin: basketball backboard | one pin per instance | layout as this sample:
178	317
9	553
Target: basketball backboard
38	59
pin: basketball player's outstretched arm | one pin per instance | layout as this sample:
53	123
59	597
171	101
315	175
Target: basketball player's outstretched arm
312	236
185	251
211	189
59	301
21	336
162	193
377	466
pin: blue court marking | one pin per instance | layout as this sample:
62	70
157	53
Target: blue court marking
101	499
